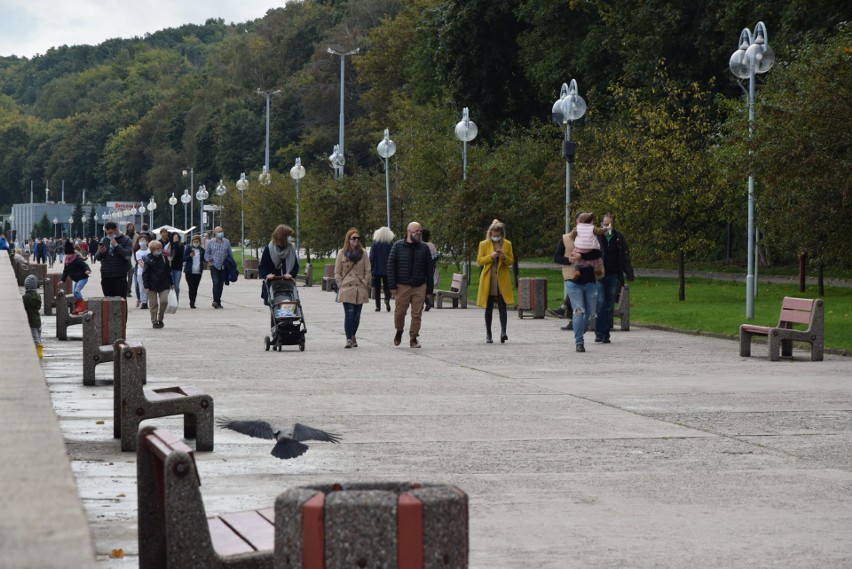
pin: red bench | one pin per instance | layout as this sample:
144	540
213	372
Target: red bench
794	312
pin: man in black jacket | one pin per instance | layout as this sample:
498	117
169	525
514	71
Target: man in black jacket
114	254
616	258
410	271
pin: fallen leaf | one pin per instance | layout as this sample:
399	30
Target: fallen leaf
117	554
99	422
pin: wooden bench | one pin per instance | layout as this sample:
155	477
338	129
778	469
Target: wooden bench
457	292
174	530
133	403
51	285
103	323
308	277
794	312
328	281
250	269
64	318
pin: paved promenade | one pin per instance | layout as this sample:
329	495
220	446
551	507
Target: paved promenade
659	450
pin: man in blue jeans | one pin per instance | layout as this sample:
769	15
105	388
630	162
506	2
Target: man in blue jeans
216	251
616	259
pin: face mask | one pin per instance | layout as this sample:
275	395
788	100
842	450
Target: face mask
496	239
143	244
196	245
156	254
290	240
608	229
220	235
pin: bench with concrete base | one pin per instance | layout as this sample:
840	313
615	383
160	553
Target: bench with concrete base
794	312
385	524
250	268
134	403
103	323
308	278
457	292
329	283
174	530
51	285
64	318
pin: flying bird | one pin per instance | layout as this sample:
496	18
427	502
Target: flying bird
289	439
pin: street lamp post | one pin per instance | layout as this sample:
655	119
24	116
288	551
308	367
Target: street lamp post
185	199
569	108
265	177
55	221
297	172
152	205
338	171
336	160
71	227
466	131
752	56
201	195
387	148
242	186
84	219
173	203
188	193
141	210
104	217
221	189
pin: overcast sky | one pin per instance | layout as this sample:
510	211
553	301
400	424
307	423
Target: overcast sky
29	27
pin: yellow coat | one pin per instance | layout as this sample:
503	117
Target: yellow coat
504	282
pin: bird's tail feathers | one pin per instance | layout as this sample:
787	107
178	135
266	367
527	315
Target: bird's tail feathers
288	448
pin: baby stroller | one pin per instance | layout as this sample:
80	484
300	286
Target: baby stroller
285	311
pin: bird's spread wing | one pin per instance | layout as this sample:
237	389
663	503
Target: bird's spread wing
305	433
257	429
288	448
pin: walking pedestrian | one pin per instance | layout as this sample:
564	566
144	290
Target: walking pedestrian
578	271
114	254
352	274
410	280
157	280
279	258
176	252
379	252
216	251
130	232
51	252
616	262
76	268
193	267
141	255
495	256
40	251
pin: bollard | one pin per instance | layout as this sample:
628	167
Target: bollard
103	324
532	296
385	524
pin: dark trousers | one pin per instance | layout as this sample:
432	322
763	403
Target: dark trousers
501	309
351	318
193	280
41	259
607	289
380	282
218	276
114	286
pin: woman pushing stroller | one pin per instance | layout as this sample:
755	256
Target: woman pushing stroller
279	259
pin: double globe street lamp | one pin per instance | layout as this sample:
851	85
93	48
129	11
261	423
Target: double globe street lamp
297	172
173	203
466	131
566	110
242	186
387	148
202	195
152	205
752	56
185	199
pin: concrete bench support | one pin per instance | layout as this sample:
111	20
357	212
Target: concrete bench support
328	281
51	285
134	403
103	324
64	318
457	292
397	525
308	278
250	268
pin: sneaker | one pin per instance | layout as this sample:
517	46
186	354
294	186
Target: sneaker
607	341
154	324
354	342
192	306
567	327
557	312
348	344
397	340
414	343
161	324
581	348
144	306
598	339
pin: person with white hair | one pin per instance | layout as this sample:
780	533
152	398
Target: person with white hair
379	253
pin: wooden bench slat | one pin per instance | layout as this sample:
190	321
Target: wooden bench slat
798	303
755	329
253	528
795	316
225	540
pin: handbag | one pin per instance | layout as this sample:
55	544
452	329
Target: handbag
172	307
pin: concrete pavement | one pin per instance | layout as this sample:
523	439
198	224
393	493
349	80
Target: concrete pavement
658	450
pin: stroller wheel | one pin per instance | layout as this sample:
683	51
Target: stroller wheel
266	342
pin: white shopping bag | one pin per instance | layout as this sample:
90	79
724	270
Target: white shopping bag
173	302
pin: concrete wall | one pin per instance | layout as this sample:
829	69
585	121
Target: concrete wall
42	522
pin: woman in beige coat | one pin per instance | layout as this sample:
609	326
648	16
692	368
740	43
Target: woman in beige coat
352	273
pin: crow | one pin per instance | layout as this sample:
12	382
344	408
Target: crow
289	439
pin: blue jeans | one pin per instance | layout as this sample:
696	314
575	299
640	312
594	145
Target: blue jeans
218	277
584	303
78	288
176	281
351	318
607	289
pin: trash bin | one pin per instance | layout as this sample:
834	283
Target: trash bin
532	297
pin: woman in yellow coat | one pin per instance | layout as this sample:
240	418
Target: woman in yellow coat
495	257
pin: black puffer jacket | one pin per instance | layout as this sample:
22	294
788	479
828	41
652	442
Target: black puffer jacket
157	274
76	269
410	264
115	262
